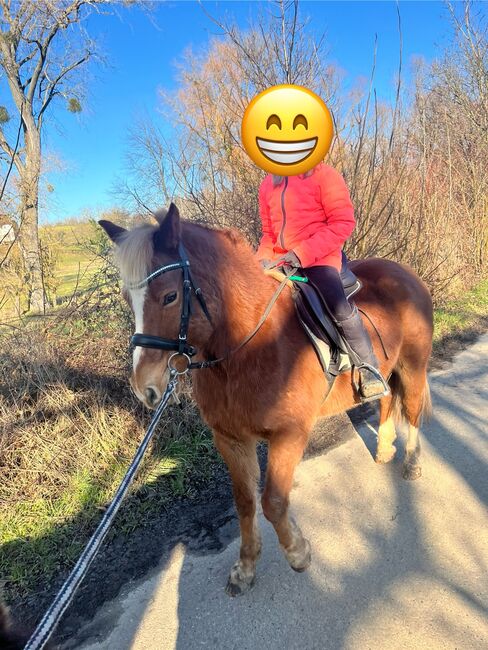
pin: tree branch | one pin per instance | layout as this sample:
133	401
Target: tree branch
12	158
61	23
51	91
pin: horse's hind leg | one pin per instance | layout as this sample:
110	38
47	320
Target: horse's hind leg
240	458
284	453
412	468
386	432
416	400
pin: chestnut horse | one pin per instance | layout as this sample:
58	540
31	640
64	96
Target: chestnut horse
273	388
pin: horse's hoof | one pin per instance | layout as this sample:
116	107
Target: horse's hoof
300	560
234	589
385	456
238	583
412	472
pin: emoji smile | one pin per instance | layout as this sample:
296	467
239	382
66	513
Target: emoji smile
286	153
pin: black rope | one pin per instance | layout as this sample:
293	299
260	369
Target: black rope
51	618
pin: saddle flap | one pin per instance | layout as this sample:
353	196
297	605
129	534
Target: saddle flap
313	312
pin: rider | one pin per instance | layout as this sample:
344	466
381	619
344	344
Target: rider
305	220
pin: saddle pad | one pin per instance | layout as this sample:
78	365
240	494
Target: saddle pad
322	350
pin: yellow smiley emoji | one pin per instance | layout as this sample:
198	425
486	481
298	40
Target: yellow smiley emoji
287	130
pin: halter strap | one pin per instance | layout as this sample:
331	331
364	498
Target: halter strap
181	344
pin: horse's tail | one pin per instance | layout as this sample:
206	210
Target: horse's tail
426	412
400	394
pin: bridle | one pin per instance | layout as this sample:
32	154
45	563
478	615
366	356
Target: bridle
180	346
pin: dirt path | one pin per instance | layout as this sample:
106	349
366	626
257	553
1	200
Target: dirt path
396	564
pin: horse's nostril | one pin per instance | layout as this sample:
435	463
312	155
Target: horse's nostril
151	396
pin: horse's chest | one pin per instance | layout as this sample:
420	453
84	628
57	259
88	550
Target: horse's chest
222	405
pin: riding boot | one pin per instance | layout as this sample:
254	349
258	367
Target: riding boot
353	330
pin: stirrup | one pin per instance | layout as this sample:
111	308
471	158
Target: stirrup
374	371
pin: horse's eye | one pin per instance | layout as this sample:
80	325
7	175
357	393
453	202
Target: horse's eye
169	297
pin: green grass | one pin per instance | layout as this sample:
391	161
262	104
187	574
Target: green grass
44	534
461	314
75	263
69	428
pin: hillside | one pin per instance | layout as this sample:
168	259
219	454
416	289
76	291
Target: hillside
69	260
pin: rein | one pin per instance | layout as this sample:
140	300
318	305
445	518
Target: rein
181	345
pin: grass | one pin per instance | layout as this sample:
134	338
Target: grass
461	317
74	265
69	428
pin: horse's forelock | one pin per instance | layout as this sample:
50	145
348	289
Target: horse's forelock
134	252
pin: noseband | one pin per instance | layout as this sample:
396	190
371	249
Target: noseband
180	345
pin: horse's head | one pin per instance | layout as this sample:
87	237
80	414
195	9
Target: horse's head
156	304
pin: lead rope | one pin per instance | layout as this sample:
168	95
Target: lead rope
51	618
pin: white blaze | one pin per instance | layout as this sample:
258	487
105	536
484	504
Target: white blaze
138	296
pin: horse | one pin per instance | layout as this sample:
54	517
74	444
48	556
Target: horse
273	388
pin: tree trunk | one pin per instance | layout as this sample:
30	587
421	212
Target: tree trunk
29	231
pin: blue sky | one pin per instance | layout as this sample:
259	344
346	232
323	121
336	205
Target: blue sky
142	52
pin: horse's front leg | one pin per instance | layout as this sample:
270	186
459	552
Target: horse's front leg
240	458
284	453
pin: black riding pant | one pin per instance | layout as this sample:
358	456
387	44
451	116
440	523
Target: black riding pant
328	281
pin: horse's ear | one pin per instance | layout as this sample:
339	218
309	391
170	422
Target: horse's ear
167	236
112	230
160	215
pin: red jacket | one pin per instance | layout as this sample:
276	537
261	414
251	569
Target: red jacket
312	216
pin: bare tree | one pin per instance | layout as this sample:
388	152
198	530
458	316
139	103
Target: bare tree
42	48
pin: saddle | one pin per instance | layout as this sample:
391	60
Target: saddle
319	325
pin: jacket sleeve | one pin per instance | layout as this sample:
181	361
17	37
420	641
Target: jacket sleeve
265	248
338	224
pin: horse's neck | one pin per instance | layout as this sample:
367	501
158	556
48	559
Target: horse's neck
237	289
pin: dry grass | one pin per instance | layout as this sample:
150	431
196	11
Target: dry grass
69	428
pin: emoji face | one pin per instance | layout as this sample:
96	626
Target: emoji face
287	130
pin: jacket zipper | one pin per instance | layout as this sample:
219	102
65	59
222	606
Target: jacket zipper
282	241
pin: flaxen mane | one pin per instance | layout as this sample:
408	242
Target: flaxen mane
134	253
